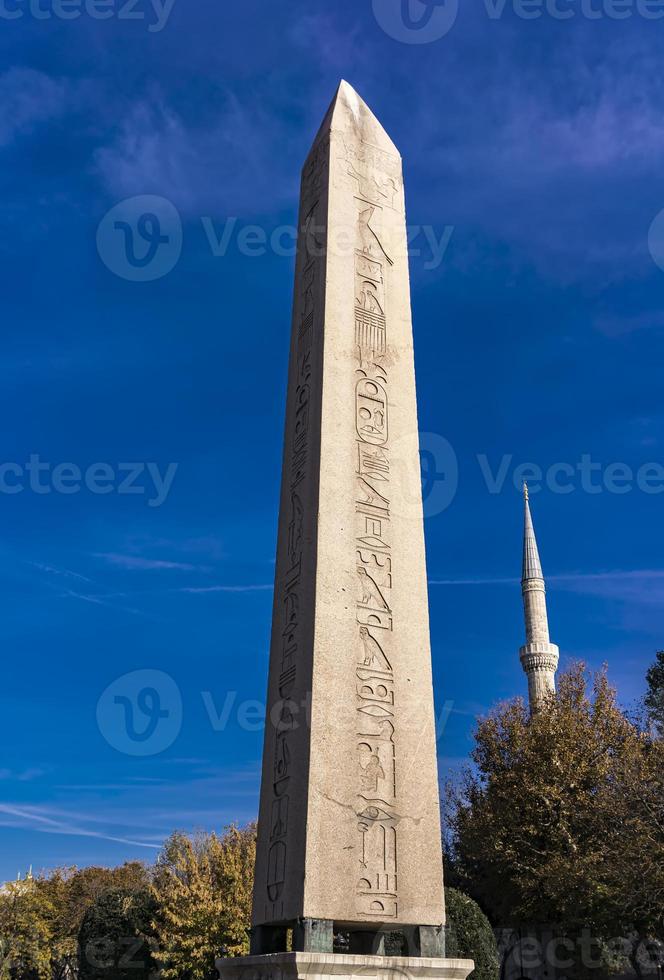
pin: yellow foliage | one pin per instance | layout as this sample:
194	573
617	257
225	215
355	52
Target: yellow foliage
203	886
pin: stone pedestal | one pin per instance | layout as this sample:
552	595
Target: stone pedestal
342	966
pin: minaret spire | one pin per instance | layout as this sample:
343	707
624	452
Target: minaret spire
539	656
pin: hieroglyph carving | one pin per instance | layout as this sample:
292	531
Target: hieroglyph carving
378	180
299	425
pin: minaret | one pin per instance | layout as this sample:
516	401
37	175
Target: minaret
539	656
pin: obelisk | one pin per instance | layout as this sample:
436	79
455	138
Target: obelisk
349	839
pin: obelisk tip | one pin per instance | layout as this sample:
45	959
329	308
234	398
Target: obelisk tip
349	113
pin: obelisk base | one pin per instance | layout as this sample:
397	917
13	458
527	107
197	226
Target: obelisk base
341	966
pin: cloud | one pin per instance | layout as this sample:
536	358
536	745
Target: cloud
22	776
52	570
555	177
227	164
47	821
642	586
142	812
96	600
267	587
135	562
29	774
474	581
29	98
614	325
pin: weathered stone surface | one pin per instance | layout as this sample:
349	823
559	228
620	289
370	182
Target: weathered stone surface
316	966
349	827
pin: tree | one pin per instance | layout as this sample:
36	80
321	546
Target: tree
117	936
69	893
469	935
203	887
654	700
562	821
24	931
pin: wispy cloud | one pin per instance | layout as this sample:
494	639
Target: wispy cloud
22	776
96	600
263	587
138	563
29	98
47	821
226	163
52	570
613	325
473	581
644	586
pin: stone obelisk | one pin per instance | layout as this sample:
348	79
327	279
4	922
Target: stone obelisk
349	840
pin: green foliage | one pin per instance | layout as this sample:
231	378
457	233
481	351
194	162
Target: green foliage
70	892
469	935
116	936
562	820
654	699
203	889
133	921
24	931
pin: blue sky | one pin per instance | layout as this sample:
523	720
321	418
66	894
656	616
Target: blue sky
535	145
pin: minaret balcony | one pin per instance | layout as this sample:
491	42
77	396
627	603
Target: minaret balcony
539	655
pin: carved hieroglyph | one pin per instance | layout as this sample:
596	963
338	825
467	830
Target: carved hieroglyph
349	824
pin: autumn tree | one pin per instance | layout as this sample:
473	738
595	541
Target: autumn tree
203	888
25	933
116	939
654	699
561	821
69	893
